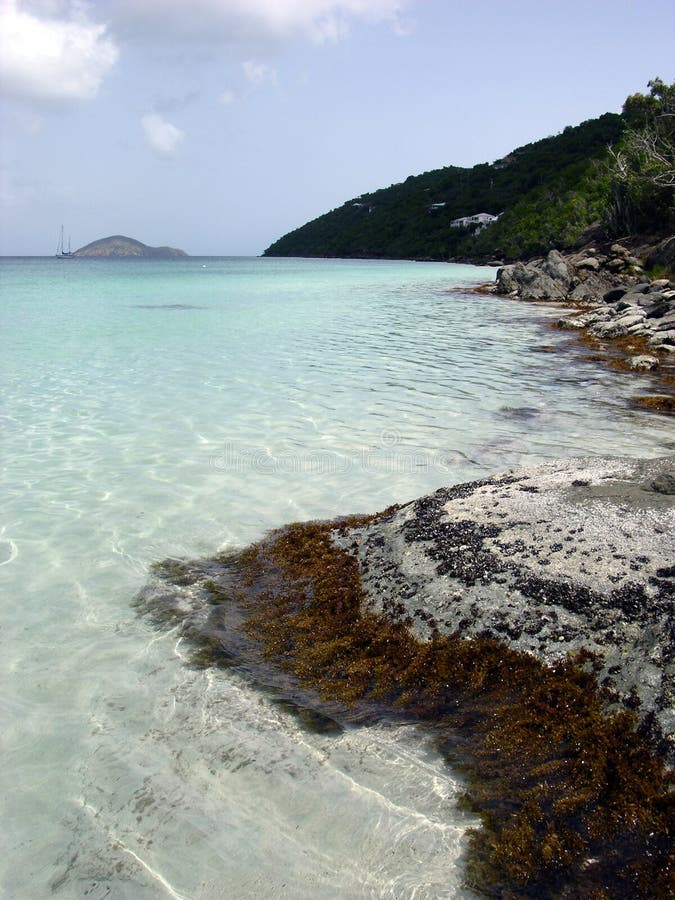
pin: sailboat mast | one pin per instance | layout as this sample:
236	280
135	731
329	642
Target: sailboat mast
61	251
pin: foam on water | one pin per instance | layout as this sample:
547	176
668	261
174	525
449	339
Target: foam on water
167	409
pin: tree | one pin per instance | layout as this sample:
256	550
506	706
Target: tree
642	165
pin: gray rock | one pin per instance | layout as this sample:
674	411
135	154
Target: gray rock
658	310
572	323
506	282
644	362
549	279
614	294
557	268
588	263
665	322
537	285
631	312
664	483
663	254
628	301
619	250
617	327
650	298
572	554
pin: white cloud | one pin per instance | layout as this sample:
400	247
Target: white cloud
44	58
161	136
257	73
252	21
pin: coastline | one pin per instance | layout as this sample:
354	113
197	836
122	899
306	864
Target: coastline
625	317
344	634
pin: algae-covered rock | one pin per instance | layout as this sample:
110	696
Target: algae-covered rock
526	619
568	555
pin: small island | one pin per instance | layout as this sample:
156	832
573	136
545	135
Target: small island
119	247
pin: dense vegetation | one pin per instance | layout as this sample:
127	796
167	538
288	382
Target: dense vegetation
546	194
642	165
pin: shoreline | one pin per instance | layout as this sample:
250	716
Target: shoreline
546	681
523	621
625	318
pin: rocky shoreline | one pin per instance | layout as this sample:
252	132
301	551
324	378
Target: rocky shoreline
618	308
524	620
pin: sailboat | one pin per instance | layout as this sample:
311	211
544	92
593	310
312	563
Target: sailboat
61	251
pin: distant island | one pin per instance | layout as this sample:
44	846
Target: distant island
120	247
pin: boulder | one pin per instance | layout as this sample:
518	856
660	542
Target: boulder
661	339
619	250
557	268
572	554
507	281
616	327
628	301
616	264
663	254
547	279
614	294
588	263
658	311
644	363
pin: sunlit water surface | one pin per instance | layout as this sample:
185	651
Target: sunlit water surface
168	409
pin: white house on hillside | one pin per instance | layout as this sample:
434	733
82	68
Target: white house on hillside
479	219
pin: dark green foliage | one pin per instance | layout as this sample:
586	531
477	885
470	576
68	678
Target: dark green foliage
549	192
641	167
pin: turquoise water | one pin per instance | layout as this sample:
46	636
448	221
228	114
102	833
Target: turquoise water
172	408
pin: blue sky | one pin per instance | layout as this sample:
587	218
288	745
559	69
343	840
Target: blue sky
217	126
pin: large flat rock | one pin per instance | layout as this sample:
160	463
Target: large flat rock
570	555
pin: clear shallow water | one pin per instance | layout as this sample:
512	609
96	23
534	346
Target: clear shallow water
168	409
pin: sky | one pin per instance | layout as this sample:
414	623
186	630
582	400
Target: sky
217	126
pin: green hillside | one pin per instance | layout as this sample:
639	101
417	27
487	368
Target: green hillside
541	189
617	170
